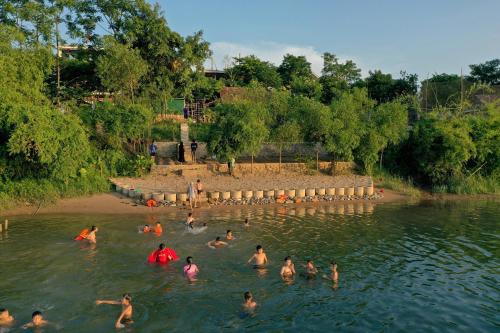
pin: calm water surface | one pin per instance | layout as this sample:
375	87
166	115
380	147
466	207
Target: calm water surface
428	267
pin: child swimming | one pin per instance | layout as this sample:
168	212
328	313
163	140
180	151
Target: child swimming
36	321
311	270
158	228
146	229
246	223
190	221
190	270
229	235
5	318
259	257
250	304
217	243
126	314
334	275
91	236
288	269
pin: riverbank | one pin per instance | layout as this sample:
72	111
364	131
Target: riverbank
114	203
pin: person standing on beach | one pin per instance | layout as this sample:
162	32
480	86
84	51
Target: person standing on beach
153	147
194	146
181	153
199	188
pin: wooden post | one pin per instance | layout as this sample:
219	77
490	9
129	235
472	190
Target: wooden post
0	227
251	166
6	224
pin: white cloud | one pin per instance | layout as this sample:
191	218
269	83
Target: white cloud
268	51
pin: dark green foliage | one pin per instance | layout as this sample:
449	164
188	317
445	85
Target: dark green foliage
488	72
251	69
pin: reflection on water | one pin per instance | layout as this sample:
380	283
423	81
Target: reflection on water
431	267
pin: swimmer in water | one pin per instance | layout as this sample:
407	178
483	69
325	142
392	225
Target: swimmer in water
36	321
229	235
146	229
334	275
247	223
311	270
91	236
250	304
5	318
190	221
288	269
190	270
259	257
126	314
158	228
217	243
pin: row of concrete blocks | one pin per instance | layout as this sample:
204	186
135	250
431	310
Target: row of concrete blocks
248	194
292	193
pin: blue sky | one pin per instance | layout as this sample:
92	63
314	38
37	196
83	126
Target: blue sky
419	36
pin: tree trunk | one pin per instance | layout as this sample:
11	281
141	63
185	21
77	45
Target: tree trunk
334	166
251	166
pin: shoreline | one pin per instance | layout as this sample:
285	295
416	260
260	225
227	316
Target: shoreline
113	203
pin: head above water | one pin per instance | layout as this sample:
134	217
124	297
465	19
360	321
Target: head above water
93	228
190	214
248	296
126	298
217	238
4	313
158	223
228	232
37	315
287	258
246	221
333	264
258	248
198	181
162	246
189	260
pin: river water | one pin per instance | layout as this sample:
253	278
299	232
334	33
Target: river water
426	267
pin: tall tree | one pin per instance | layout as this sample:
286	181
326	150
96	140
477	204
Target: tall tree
294	67
250	68
487	72
337	77
120	68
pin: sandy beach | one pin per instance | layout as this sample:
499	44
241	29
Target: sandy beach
114	203
260	181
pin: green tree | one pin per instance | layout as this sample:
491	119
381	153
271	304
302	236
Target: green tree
120	67
348	117
487	72
238	129
337	77
250	68
284	136
386	124
294	67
